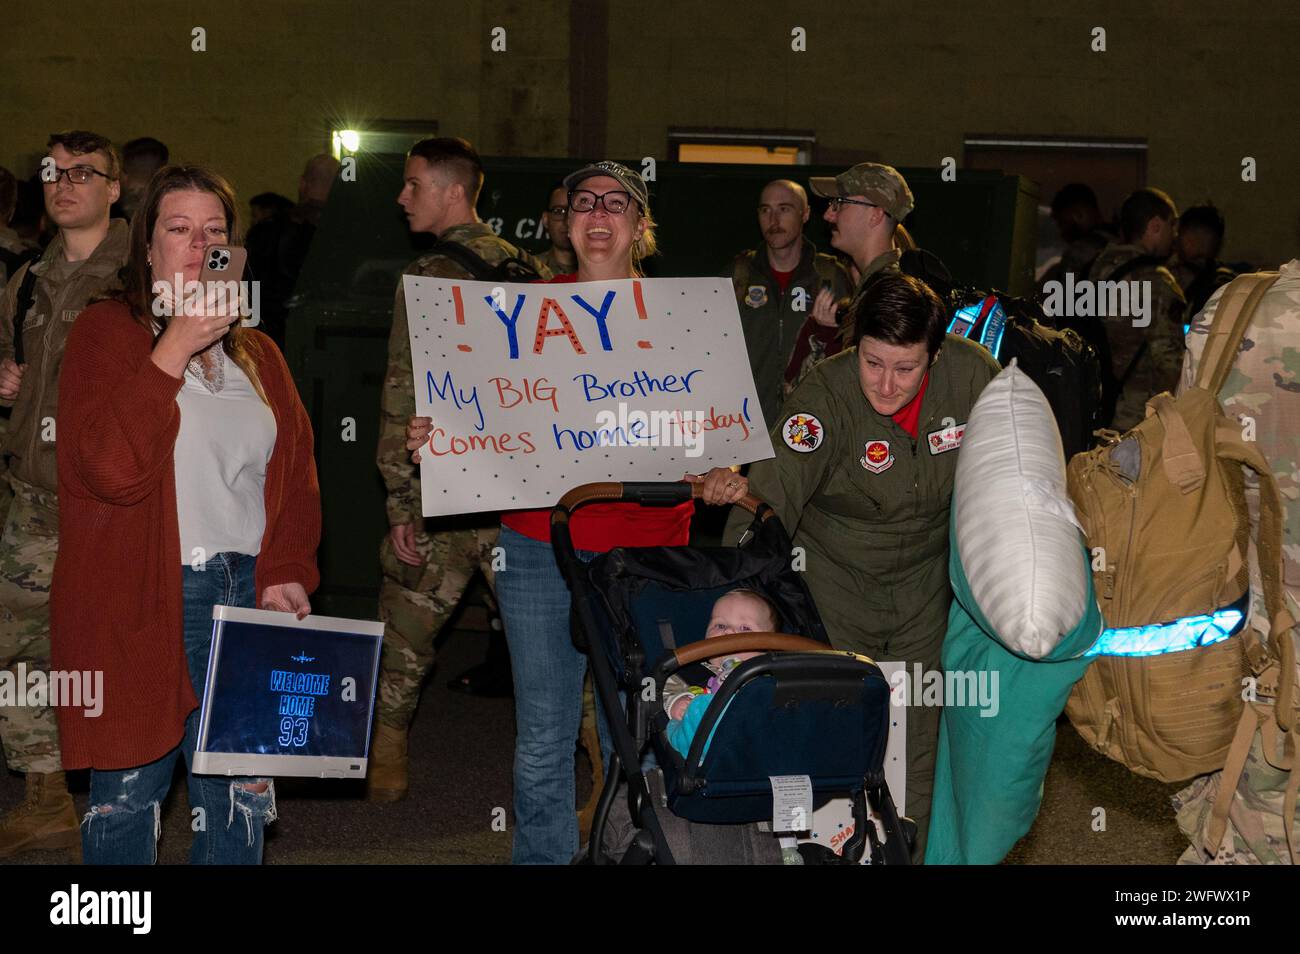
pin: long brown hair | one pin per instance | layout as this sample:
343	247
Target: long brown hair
137	275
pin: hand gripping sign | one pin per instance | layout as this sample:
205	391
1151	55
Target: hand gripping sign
535	389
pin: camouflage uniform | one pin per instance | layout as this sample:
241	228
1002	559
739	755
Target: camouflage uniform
886	263
30	540
1198	284
14	252
1265	386
1158	368
1077	257
553	263
415	601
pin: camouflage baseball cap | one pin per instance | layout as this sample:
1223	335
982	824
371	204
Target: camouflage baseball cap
631	181
880	183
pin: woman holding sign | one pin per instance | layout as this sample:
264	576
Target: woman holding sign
611	229
186	480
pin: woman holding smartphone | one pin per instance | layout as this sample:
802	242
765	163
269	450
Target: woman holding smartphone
186	480
611	229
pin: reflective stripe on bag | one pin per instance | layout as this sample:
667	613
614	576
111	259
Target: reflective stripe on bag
1190	632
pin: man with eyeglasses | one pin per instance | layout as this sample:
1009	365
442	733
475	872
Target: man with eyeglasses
560	257
788	294
81	182
867	204
426	566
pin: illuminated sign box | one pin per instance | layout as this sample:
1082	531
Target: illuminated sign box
286	696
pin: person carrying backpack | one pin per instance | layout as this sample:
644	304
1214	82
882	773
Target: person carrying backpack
427	568
1145	359
1166	515
1246	814
38	309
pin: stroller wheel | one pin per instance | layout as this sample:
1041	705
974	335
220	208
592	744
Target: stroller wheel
815	854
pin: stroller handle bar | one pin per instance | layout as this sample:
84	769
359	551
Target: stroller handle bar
645	493
746	643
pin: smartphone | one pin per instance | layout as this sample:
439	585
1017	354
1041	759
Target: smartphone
225	264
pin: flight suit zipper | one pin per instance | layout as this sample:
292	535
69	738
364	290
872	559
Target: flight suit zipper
780	325
916	469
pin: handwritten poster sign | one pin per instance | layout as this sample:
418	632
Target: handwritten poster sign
535	389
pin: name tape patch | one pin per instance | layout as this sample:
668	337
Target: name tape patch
945	439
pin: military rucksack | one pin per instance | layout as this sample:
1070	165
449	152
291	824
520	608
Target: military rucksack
1060	362
1164	510
512	269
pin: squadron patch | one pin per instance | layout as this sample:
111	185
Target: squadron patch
756	297
945	439
877	457
802	433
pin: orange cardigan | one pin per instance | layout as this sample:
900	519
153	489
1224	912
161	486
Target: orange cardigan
115	601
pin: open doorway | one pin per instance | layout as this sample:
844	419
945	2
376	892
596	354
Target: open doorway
1112	167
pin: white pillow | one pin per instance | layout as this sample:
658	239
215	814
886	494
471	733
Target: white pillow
1018	538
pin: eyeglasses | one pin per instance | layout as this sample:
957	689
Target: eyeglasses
78	175
840	200
615	203
559	211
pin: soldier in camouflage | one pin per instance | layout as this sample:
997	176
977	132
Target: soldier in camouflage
1145	359
15	251
1263	392
1078	220
426	568
560	258
81	263
1195	263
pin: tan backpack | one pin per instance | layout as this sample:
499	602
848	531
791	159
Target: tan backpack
1164	510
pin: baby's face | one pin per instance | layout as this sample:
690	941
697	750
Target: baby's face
738	613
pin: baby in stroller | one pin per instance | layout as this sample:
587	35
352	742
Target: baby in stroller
741	610
773	705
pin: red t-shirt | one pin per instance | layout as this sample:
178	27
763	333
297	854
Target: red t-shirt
908	417
601	527
782	280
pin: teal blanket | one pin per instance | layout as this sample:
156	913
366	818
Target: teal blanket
989	774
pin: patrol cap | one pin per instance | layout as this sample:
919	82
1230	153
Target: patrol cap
631	181
880	183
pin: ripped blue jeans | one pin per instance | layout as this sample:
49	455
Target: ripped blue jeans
227	814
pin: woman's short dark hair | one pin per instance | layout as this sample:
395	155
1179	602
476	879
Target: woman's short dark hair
900	310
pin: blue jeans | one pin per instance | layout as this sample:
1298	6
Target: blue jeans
548	674
124	820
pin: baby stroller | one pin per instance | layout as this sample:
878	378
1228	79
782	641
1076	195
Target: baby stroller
799	709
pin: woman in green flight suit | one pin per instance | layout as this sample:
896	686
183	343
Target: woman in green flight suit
866	451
